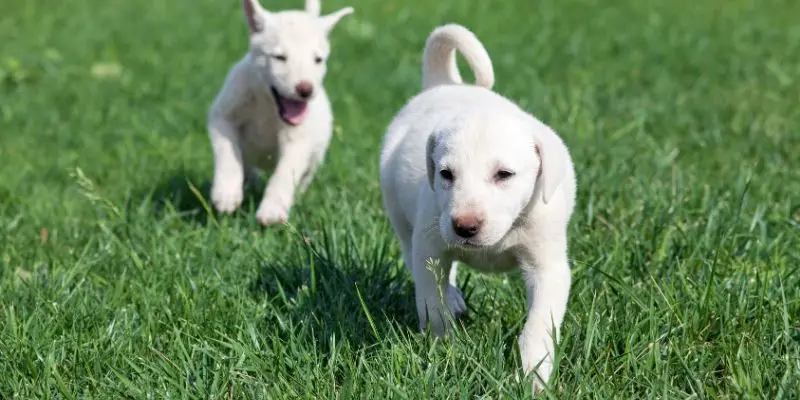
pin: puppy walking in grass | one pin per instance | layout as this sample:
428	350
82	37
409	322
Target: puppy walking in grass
466	175
272	111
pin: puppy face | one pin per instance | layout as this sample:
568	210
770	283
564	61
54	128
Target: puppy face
484	174
289	50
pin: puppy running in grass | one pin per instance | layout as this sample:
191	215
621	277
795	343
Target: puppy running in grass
272	111
466	175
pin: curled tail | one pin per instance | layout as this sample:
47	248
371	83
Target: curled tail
439	58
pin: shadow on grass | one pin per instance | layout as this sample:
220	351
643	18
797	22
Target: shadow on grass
189	198
336	291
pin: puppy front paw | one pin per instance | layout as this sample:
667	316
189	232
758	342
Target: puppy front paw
440	316
433	313
270	213
226	198
537	359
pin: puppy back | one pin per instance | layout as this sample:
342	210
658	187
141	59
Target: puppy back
439	57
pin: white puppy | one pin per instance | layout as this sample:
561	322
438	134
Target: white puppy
272	111
466	175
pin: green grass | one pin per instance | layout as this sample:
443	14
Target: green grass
682	118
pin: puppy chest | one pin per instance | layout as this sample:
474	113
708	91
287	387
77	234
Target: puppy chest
487	261
258	128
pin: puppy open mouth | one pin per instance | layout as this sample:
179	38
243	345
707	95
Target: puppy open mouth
291	111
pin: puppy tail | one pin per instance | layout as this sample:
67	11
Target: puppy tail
439	57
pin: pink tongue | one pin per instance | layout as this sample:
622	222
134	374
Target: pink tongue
294	112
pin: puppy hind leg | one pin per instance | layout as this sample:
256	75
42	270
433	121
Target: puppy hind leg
308	175
454	295
251	176
405	248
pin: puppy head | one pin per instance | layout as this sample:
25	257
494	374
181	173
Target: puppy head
484	172
290	51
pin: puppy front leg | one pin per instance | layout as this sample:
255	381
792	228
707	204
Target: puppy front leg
431	272
279	194
547	281
226	189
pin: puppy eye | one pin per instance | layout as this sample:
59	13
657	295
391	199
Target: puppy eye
279	57
503	175
318	60
446	174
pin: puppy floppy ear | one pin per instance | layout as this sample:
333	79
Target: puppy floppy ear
313	7
330	20
431	167
553	159
255	15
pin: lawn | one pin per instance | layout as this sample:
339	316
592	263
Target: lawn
117	282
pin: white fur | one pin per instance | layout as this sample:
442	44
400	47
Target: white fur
246	131
473	132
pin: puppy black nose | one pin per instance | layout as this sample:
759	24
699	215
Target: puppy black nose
304	89
467	226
